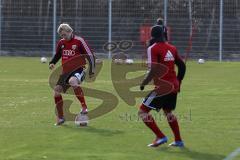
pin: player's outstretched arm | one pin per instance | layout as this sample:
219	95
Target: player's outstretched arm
148	77
56	57
152	65
90	57
91	61
54	60
181	68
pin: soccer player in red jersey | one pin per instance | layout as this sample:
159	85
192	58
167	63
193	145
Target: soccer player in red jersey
73	51
162	55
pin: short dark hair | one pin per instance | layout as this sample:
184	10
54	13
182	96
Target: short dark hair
160	21
157	31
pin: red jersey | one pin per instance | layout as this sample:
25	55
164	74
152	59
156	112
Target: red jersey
73	53
167	55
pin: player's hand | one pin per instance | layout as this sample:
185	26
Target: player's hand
51	66
141	87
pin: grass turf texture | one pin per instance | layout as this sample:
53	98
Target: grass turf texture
208	110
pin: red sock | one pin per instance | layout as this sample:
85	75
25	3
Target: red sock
173	123
59	106
79	94
149	121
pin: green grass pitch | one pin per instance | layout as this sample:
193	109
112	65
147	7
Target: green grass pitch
208	108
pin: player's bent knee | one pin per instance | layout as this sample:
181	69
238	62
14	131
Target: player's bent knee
143	111
169	115
144	108
141	114
57	90
167	111
73	82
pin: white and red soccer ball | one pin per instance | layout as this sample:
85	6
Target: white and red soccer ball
82	120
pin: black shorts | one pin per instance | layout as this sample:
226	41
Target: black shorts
157	102
64	78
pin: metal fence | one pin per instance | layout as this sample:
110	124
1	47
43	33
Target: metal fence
206	28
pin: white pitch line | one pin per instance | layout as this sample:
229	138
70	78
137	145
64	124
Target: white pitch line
233	154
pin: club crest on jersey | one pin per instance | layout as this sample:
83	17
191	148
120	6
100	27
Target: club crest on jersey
169	56
74	47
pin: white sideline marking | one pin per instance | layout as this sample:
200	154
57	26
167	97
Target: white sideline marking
233	154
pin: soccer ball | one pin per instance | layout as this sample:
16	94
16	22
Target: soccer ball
118	61
81	120
129	61
43	59
201	61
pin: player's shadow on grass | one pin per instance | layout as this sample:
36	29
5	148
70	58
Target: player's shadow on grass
185	152
99	131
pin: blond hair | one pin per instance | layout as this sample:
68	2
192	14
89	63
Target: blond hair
64	27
